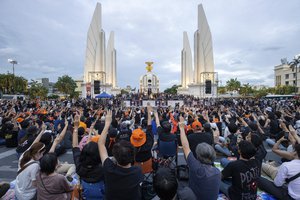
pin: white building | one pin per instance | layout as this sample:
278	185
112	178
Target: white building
285	75
149	82
100	62
200	81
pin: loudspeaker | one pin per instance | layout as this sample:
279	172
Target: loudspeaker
208	87
96	87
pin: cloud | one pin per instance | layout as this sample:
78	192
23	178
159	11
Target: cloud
48	37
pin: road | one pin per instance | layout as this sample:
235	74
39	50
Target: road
9	161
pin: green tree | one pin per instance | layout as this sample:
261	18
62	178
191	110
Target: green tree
285	89
233	84
246	90
172	90
37	90
10	84
66	85
222	90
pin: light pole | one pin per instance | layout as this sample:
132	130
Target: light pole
13	62
294	65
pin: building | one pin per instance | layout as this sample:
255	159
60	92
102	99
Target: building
149	83
100	72
285	75
200	81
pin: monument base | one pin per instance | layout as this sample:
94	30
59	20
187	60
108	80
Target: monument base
198	90
183	91
88	90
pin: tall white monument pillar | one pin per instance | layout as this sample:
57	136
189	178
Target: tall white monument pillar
203	82
100	63
186	65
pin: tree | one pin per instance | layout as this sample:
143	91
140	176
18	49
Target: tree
285	89
172	90
10	84
221	90
37	90
233	84
246	89
66	85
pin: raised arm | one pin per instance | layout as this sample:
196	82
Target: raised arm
75	131
184	140
281	153
38	138
101	142
59	137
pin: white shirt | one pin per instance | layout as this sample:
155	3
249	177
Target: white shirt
287	170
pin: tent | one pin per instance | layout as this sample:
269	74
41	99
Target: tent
103	95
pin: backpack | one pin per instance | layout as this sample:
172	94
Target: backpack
92	191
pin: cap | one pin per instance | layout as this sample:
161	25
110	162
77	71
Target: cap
196	124
138	137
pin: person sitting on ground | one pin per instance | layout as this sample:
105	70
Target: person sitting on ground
122	180
51	185
204	178
284	176
28	168
244	173
88	166
198	136
166	187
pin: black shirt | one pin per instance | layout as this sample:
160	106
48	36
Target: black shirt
122	183
197	138
244	178
89	174
143	153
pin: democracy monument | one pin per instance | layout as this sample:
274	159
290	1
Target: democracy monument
200	81
100	70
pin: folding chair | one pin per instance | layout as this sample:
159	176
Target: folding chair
165	154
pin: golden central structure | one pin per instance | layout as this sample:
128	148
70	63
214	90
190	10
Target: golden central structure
149	83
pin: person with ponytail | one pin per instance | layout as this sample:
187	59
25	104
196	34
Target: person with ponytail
28	168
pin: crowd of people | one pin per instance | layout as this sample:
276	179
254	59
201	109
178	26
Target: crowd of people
131	152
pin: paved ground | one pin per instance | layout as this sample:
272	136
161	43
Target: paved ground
9	162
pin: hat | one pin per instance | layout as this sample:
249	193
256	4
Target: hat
82	124
95	138
138	137
196	124
20	119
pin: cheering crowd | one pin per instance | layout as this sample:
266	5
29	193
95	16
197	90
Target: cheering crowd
131	152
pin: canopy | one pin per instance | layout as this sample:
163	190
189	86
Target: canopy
103	95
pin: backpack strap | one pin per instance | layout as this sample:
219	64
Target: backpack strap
288	180
25	166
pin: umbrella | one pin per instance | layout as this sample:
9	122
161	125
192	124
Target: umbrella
103	95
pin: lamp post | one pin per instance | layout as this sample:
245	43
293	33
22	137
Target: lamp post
294	66
13	62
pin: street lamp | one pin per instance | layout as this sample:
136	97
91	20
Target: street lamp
13	62
294	66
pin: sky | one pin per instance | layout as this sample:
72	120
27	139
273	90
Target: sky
48	37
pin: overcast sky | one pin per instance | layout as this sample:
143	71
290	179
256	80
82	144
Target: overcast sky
48	37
